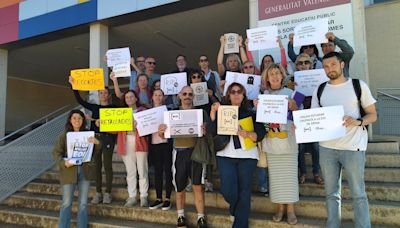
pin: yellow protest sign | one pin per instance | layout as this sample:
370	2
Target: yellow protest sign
88	79
116	119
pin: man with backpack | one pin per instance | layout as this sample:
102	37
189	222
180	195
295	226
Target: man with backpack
347	152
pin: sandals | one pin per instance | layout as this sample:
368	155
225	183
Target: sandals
291	218
278	216
318	180
302	179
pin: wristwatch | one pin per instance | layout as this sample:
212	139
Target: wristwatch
361	121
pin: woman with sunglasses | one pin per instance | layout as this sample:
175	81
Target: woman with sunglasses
310	50
197	76
71	175
236	166
303	62
282	151
134	151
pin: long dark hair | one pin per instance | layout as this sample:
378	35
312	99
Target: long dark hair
316	52
68	125
262	68
244	103
136	96
196	71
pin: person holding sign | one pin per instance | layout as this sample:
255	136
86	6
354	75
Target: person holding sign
236	163
71	175
133	150
304	62
347	152
197	76
107	144
184	167
160	150
310	50
282	151
232	63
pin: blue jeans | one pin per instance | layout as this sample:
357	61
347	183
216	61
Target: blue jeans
332	161
314	155
236	176
262	179
67	199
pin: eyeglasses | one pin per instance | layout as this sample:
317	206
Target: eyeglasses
203	60
248	67
187	94
196	76
299	63
236	92
151	63
308	46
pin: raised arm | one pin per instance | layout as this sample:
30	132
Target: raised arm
291	53
220	57
242	51
283	54
347	50
133	64
117	90
79	99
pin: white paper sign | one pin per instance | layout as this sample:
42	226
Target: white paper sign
272	109
262	38
231	43
173	83
251	82
122	69
200	93
311	32
78	148
183	123
319	124
149	120
118	55
308	80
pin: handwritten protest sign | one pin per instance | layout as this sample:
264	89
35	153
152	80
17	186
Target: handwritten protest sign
117	56
87	79
319	124
122	69
116	119
200	93
272	109
228	120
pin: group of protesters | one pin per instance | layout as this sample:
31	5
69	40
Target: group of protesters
172	158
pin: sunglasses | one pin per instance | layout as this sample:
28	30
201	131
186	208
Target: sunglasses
152	63
236	92
203	60
299	63
187	94
196	76
248	67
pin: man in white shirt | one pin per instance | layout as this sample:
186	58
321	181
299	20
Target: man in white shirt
347	152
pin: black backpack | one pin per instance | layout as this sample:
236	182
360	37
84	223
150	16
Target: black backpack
357	90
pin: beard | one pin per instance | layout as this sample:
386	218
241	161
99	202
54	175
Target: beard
334	75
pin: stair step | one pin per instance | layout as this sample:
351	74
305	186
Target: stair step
375	190
27	217
383	146
215	217
373	160
382	212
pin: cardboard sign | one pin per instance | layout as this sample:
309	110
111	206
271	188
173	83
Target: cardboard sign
228	120
88	79
116	119
183	123
231	43
200	93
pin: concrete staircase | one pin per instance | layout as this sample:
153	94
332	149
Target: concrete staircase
37	204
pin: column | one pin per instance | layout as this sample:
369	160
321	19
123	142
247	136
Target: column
98	47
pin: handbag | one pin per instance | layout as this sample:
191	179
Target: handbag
220	142
262	156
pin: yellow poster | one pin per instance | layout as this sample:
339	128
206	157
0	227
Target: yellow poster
116	119
88	79
247	125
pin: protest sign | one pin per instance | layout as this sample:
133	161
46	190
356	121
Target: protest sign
87	79
116	119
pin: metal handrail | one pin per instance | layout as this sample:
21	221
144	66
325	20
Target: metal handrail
36	121
389	95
